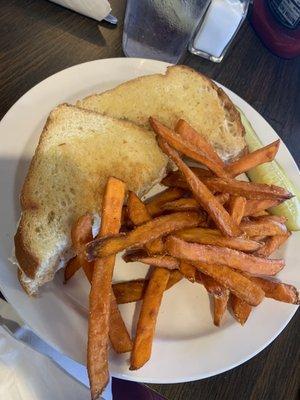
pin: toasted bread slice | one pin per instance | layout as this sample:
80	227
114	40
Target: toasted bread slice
180	93
77	152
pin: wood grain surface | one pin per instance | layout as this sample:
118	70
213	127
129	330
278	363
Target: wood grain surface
39	38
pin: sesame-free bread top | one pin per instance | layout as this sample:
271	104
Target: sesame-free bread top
180	93
77	152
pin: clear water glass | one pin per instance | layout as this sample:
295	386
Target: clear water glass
161	29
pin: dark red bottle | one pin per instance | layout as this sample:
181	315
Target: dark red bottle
277	22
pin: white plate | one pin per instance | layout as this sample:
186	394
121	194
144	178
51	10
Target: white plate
187	346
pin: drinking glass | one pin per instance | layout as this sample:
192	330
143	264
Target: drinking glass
161	29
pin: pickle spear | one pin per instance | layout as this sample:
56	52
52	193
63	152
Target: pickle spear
272	173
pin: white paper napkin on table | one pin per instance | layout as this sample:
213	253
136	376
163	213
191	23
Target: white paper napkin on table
96	9
26	374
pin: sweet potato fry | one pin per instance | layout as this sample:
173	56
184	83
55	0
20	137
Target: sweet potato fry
277	290
272	244
200	172
154	204
220	255
81	234
131	291
164	261
237	208
222	197
152	294
214	237
142	234
264	226
211	285
251	160
71	268
185	147
184	204
249	190
190	204
113	197
139	215
240	309
188	271
201	193
137	211
260	239
147	320
220	306
175	276
124	217
234	281
118	333
254	206
262	213
175	179
188	133
198	277
156	246
100	294
278	218
220	296
112	206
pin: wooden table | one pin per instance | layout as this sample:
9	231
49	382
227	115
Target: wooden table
38	38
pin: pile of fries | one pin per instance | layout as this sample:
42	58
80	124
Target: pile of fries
206	227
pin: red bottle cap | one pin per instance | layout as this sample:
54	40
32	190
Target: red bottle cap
282	41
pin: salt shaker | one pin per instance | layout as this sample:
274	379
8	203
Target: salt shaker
218	29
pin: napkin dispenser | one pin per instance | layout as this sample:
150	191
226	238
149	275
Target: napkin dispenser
96	9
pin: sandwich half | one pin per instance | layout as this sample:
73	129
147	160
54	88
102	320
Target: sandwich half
180	93
78	150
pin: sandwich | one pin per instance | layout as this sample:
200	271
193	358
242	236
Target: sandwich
106	135
180	93
77	152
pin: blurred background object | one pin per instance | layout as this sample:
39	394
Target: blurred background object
165	29
277	23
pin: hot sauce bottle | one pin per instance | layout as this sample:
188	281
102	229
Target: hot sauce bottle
277	23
